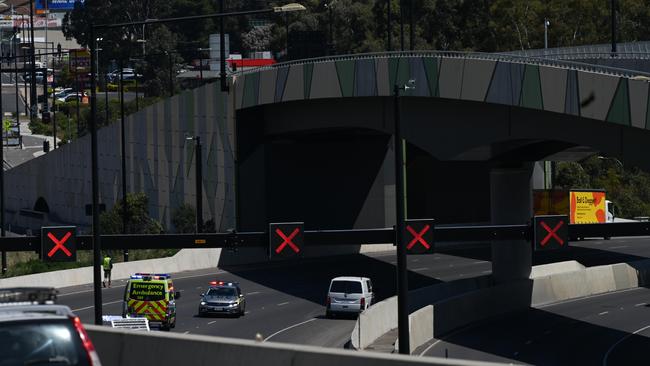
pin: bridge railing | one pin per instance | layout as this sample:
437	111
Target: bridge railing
501	57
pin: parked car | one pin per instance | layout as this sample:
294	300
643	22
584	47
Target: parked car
71	97
35	331
349	295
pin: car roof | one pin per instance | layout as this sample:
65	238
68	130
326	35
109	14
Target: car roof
350	278
19	311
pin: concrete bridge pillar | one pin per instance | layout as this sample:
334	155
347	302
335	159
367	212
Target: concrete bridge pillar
511	204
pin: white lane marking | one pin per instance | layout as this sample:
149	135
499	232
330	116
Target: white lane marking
212	322
619	247
603	313
287	328
641	304
198	288
420	269
253	293
283	303
90	307
486	272
620	341
186	332
479	262
174	278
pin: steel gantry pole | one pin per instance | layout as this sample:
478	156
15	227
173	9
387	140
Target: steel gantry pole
97	279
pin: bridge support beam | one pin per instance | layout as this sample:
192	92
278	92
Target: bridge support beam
510	202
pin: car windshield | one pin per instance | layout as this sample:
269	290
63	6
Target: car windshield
222	292
348	287
147	291
32	343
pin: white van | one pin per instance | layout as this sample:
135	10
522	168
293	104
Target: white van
349	295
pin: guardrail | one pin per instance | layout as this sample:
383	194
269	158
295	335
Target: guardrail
501	57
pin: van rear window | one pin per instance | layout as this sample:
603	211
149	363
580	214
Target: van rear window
147	291
348	287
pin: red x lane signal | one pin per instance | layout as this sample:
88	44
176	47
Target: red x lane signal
59	244
418	236
550	232
286	239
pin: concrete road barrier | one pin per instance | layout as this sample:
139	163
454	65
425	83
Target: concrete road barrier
466	302
119	347
184	260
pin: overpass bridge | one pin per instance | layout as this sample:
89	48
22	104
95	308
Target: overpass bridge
311	140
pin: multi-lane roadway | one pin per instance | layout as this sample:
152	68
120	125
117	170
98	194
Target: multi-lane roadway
285	301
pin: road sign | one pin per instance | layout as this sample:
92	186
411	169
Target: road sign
286	239
418	236
550	232
59	244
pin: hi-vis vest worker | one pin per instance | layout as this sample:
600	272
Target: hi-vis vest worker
151	296
108	265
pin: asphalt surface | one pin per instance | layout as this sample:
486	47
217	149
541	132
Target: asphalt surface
285	300
610	329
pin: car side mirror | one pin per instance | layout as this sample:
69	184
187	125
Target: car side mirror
241	295
202	294
177	294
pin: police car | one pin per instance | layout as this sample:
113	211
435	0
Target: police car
223	298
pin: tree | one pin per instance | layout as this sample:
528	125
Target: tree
258	39
138	219
184	219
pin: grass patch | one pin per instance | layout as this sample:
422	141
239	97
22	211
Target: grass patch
24	263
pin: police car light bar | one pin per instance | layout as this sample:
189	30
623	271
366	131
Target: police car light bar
221	283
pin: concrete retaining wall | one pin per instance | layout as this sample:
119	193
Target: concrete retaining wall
184	260
127	348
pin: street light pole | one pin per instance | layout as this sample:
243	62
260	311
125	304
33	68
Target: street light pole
125	208
613	6
401	25
32	93
222	50
199	183
400	203
546	24
95	183
2	180
388	26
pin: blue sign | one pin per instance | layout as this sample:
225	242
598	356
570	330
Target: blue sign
57	5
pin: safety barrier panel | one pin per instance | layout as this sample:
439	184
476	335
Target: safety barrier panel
127	348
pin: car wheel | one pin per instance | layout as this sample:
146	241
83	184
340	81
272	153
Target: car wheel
242	312
164	327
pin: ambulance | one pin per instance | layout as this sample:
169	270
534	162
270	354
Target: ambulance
151	296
